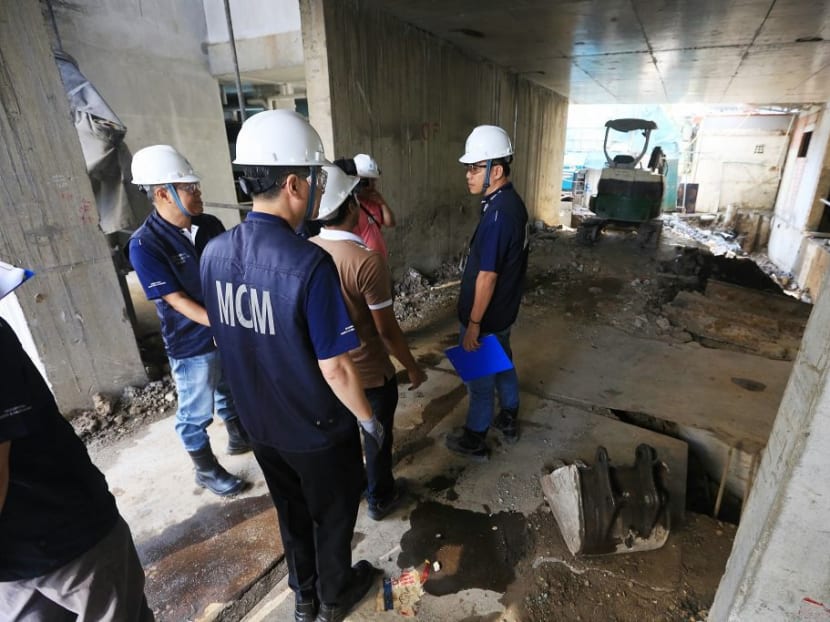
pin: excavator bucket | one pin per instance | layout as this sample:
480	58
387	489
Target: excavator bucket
605	509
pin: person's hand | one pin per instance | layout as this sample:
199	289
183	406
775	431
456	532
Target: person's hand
470	342
373	428
417	377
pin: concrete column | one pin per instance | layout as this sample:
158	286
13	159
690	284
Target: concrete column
779	557
48	222
318	84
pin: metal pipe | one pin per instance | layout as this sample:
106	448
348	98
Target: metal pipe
239	94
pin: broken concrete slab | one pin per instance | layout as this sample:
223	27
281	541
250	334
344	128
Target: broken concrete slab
682	383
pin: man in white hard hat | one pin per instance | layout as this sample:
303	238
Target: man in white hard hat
374	211
491	286
366	284
165	253
274	302
65	551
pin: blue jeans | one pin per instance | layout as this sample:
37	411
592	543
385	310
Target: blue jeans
201	389
482	390
381	483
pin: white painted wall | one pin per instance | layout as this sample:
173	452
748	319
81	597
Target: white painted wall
730	171
147	61
269	44
251	18
804	182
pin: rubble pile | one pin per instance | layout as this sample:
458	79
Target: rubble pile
419	297
717	241
113	417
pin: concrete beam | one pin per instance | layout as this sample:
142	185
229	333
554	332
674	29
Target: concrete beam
48	222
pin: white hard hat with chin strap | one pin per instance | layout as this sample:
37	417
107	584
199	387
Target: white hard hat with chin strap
162	165
487	143
11	277
279	138
339	187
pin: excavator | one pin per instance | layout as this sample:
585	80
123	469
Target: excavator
628	194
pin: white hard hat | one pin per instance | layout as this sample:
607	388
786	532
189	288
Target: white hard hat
486	142
161	164
279	138
366	166
338	188
11	277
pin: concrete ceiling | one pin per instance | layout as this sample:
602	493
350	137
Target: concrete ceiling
645	51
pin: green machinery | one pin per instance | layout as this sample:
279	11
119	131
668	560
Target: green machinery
626	193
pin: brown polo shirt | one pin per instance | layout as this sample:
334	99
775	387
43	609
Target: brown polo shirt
367	285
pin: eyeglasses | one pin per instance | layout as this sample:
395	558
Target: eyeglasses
474	168
322	178
191	188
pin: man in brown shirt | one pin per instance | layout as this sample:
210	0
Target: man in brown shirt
367	291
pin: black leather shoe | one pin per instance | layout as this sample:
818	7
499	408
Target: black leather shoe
379	511
507	422
469	444
362	579
305	610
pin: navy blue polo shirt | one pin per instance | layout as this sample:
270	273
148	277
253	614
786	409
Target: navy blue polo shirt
58	505
166	261
276	309
499	244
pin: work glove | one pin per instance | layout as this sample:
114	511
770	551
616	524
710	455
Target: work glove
373	428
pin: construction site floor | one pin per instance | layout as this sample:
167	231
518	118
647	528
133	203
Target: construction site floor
500	552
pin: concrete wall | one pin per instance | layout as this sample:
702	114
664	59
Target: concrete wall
147	60
269	45
779	556
379	86
805	181
73	307
728	167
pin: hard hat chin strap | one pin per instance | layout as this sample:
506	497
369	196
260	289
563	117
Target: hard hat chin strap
172	190
487	176
312	194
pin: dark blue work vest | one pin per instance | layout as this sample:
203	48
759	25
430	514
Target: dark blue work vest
256	280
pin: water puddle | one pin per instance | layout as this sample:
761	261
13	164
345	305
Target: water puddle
475	550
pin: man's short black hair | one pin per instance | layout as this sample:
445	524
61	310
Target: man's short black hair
341	214
267	181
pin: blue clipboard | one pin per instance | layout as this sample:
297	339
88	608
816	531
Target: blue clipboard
489	359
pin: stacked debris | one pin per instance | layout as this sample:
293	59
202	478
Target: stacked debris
113	417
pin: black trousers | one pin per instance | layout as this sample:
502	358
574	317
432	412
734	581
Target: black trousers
316	495
384	401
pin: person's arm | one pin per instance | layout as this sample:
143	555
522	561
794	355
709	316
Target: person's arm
387	215
4	472
485	286
188	307
341	375
393	339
